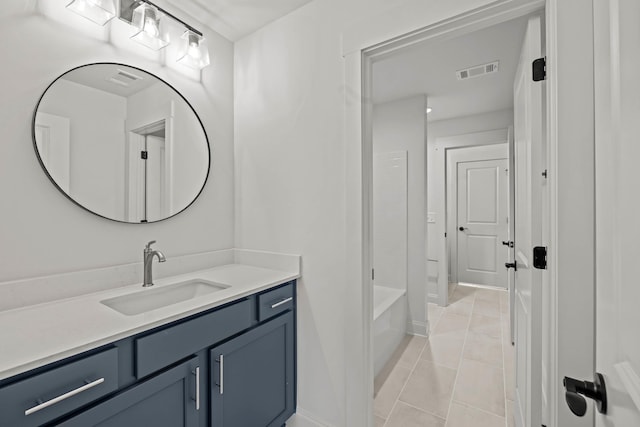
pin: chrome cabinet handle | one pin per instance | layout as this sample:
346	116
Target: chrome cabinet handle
284	301
197	374
222	374
62	397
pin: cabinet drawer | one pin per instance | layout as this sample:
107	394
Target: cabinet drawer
51	394
275	301
160	349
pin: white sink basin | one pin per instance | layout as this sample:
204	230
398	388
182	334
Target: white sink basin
161	296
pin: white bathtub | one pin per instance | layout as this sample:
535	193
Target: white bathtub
389	323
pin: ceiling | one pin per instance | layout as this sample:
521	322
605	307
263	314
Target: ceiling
431	69
98	76
233	19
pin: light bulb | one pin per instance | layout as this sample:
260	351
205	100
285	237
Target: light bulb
195	53
98	11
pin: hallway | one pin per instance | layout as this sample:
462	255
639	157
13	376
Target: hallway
461	376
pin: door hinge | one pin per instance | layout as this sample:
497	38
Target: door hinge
540	257
373	274
144	155
539	69
544	174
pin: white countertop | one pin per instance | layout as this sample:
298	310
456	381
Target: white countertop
36	335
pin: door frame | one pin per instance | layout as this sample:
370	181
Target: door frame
570	118
441	146
455	155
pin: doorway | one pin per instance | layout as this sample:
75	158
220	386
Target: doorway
478	214
464	367
147	180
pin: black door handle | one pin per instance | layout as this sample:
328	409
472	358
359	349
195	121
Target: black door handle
577	390
511	265
461	228
508	243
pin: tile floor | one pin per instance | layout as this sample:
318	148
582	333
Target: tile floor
461	376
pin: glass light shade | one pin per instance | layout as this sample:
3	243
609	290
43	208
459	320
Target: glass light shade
98	11
194	54
147	19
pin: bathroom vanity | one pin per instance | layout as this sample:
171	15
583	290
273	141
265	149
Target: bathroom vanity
227	358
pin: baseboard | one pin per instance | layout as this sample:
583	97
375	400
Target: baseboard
418	328
304	418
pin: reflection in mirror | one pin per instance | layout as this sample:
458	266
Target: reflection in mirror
121	143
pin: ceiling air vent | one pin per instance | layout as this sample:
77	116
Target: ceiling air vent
124	78
478	70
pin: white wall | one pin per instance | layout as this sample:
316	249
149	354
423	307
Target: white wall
401	126
41	231
291	167
96	176
436	175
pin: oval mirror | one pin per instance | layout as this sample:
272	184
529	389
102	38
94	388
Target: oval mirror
121	143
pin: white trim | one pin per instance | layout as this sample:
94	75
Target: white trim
418	328
570	133
304	418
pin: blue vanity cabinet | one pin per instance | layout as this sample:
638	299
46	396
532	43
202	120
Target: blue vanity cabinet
169	399
232	365
253	374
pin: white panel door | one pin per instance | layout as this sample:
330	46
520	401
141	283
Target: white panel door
617	210
528	140
482	221
390	219
52	135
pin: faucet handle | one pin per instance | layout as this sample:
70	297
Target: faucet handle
148	247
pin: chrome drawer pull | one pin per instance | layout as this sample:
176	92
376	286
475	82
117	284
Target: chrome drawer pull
284	301
63	396
222	374
197	399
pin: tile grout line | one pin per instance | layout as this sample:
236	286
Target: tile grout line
464	345
452	400
405	383
410	373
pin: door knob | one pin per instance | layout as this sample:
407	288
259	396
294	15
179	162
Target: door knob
577	390
461	228
511	265
508	243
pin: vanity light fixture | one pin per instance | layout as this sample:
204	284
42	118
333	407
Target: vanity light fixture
194	53
146	18
98	11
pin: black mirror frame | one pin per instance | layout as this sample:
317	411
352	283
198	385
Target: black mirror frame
44	168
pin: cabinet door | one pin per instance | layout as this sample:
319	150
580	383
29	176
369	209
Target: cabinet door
253	380
170	399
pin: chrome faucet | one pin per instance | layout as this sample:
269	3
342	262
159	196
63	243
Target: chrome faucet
148	263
